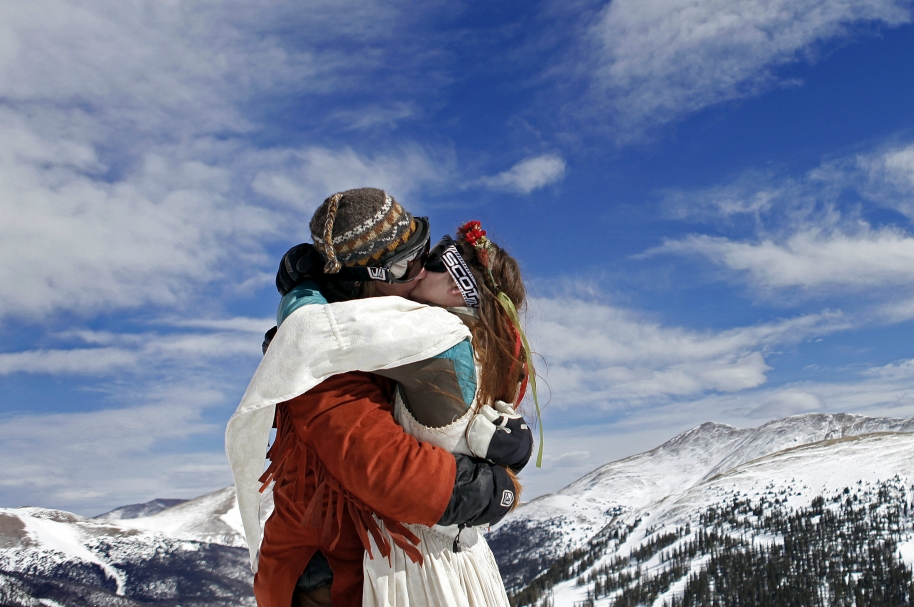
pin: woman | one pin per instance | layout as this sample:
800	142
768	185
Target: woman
481	283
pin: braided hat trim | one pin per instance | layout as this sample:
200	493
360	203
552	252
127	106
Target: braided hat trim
368	241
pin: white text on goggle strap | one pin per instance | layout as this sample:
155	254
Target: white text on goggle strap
460	272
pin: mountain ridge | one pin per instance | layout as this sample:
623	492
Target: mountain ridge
564	521
142	553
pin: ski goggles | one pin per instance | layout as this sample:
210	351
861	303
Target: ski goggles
403	265
445	257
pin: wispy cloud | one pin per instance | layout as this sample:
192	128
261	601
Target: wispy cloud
72	240
812	259
143	354
605	357
528	175
889	177
128	170
808	235
305	177
164	70
89	461
658	60
154	427
386	117
752	195
80	361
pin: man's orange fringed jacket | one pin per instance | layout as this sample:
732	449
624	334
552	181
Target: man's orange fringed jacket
338	457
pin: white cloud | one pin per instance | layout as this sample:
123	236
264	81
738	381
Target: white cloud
791	401
887	176
144	354
89	461
312	174
376	117
876	391
809	235
657	60
812	258
178	69
753	194
126	172
896	311
528	175
603	357
81	361
72	240
157	405
240	323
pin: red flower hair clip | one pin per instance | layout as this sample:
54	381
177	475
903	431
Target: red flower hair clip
473	234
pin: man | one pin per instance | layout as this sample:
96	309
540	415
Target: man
339	456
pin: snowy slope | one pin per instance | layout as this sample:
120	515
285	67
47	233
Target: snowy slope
193	553
138	510
794	476
190	553
212	518
545	528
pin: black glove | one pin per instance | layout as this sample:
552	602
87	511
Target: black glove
300	262
501	436
268	339
483	493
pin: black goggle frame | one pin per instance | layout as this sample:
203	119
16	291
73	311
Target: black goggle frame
434	263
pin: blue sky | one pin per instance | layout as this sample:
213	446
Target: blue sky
712	202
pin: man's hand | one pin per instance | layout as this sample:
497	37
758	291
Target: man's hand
299	262
501	436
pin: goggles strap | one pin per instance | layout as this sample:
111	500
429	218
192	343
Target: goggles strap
460	272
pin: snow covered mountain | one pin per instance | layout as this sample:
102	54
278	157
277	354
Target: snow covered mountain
617	525
189	554
797	458
139	510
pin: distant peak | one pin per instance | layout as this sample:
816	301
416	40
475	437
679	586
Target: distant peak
138	510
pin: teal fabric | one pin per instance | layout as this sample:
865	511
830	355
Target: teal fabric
305	294
308	293
465	368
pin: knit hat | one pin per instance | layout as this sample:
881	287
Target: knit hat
359	227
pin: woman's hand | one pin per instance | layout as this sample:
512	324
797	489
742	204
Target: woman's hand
483	494
501	436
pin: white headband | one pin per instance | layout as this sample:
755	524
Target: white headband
460	272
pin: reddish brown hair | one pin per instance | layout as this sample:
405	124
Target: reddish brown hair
494	339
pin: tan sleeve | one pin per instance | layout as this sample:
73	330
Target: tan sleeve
430	391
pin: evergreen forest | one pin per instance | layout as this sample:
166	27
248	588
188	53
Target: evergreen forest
838	550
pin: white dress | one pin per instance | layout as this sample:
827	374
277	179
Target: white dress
468	577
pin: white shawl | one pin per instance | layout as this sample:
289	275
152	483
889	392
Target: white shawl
316	342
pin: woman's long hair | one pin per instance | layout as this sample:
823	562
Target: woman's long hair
495	341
